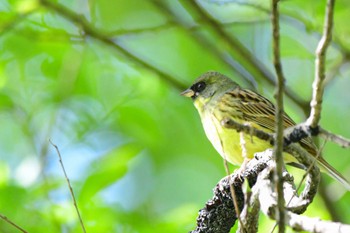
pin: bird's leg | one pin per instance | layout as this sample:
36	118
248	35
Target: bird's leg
242	168
240	171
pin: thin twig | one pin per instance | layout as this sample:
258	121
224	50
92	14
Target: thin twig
320	67
12	223
219	215
293	149
299	205
233	193
314	163
341	141
264	191
156	28
291	135
314	225
243	143
7	27
232	190
293	19
69	185
278	149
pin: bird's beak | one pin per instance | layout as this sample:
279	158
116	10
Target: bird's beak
188	93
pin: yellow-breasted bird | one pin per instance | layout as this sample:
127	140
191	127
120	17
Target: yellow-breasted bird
217	98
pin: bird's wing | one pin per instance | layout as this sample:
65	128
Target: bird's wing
256	109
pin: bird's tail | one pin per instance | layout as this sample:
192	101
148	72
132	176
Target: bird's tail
332	172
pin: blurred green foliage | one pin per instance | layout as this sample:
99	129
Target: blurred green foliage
101	79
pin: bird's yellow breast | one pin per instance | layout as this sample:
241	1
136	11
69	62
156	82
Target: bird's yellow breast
227	141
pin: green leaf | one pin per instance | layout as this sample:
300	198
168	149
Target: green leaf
107	170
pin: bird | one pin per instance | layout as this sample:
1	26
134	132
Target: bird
218	98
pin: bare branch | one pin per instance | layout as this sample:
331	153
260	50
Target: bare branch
207	44
312	178
234	196
292	135
265	193
315	225
89	30
69	186
278	148
250	214
265	189
12	223
341	141
320	67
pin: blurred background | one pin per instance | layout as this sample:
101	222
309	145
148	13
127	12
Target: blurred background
101	80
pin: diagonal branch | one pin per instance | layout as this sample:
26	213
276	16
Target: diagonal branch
341	141
207	44
89	30
257	68
12	223
69	186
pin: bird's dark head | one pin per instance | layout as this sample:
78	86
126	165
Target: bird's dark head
209	84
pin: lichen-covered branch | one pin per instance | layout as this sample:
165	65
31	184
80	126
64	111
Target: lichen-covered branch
320	67
219	214
291	135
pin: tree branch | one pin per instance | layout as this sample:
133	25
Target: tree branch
69	186
89	30
315	225
247	129
341	141
265	193
232	43
12	223
278	148
320	67
218	215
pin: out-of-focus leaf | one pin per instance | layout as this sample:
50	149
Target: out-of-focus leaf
107	170
6	102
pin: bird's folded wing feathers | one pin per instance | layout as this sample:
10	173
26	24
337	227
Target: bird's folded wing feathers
256	109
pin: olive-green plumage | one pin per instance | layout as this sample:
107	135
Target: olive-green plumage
217	97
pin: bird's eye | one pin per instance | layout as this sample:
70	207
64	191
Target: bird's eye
198	87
